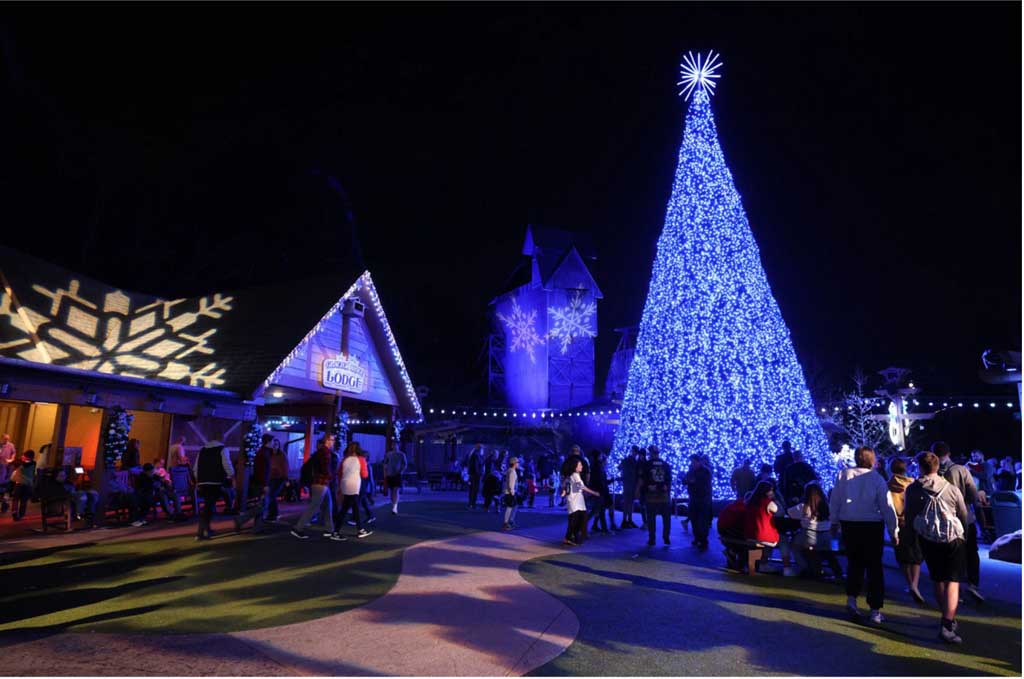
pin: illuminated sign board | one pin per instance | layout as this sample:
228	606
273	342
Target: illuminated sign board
344	373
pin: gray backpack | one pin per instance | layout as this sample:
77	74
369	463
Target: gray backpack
936	523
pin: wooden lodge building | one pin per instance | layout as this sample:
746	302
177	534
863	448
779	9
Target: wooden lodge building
293	355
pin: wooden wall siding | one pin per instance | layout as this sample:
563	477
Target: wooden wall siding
199	430
303	371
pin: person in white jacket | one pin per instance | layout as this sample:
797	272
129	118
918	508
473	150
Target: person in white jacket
861	505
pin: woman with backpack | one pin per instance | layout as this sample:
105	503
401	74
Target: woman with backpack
937	514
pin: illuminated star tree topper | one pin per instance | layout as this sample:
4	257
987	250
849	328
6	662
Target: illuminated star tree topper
714	371
699	74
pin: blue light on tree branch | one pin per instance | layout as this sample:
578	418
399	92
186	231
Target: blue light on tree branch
714	371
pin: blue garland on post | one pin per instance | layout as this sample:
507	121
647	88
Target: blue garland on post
251	444
115	439
340	430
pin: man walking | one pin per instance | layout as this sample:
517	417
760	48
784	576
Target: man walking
394	464
937	515
961	478
321	476
212	469
656	483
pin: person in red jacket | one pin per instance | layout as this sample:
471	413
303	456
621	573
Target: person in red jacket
759	519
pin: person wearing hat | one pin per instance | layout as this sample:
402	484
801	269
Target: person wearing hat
211	469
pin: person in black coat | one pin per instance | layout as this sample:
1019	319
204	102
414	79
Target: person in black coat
698	485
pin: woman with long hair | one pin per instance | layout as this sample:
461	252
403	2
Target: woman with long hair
350	478
813	542
576	505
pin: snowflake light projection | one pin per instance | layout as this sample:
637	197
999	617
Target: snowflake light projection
572	320
522	328
150	341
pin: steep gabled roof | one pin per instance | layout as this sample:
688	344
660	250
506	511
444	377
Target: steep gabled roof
228	341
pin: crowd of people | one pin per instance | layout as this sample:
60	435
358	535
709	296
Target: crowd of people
928	505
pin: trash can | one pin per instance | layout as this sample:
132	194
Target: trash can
1006	511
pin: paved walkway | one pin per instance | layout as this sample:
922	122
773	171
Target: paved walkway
459	608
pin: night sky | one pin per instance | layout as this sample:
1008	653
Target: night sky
182	149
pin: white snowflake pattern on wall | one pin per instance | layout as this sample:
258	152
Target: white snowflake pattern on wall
108	336
522	328
572	320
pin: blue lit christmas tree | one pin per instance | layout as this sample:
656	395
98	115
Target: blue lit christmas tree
714	370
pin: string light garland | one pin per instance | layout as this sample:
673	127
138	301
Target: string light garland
714	371
252	441
115	440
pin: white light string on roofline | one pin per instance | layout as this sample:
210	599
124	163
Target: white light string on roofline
364	282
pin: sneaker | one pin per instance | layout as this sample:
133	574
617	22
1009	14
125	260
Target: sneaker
238	525
949	636
568	543
506	527
394	509
299	534
138	523
351	523
363	533
853	611
876	617
338	537
917	596
372	519
330	534
973	591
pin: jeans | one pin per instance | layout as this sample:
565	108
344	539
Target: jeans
209	495
366	502
350	502
270	500
576	522
510	513
628	493
700	520
654	510
85	501
864	543
20	495
318	495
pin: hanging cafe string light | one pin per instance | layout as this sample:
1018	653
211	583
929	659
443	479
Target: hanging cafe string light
447	413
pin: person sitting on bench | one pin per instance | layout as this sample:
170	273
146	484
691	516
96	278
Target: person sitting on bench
759	518
813	543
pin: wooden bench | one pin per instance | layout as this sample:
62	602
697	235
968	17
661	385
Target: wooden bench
55	509
751	551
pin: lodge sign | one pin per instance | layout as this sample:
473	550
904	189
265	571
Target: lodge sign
344	373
